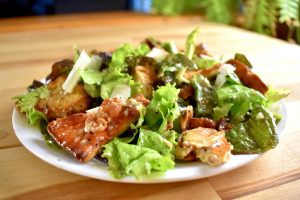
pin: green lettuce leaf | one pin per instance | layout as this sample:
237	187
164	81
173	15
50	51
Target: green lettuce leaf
163	108
76	50
242	58
173	67
274	95
128	159
114	78
126	50
102	84
203	62
93	90
205	96
227	76
256	135
90	76
84	61
190	44
27	102
172	136
241	99
135	127
156	141
168	46
221	112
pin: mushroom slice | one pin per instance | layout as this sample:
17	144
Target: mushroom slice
208	145
247	77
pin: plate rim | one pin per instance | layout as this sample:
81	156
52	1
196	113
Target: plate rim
107	177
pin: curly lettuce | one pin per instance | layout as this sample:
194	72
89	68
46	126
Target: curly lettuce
237	100
27	102
102	83
126	50
163	108
129	159
156	141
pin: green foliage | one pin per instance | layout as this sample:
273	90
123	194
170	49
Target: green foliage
217	11
288	10
258	15
272	16
289	14
262	15
26	103
174	7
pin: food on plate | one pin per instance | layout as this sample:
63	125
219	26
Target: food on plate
83	134
206	144
142	109
58	104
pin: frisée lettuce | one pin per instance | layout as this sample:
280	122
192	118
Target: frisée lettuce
26	103
163	108
136	160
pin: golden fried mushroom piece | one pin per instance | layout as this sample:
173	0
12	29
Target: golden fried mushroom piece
186	91
187	121
83	134
59	104
145	75
201	50
59	68
208	145
202	122
186	117
247	77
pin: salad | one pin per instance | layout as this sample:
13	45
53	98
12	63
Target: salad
143	109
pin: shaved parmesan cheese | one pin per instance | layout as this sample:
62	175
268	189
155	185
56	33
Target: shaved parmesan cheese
173	47
157	54
84	61
226	71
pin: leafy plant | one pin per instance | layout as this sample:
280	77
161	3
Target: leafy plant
262	16
258	17
289	14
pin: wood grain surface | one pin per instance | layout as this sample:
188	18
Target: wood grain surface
28	47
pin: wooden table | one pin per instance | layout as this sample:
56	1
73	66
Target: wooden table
28	47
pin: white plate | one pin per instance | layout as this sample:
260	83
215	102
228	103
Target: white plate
33	140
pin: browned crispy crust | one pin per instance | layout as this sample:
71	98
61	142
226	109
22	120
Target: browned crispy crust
186	91
145	75
59	68
187	121
202	141
59	104
201	50
247	77
202	122
83	134
186	117
224	125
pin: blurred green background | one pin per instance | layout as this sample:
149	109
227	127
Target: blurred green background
278	18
